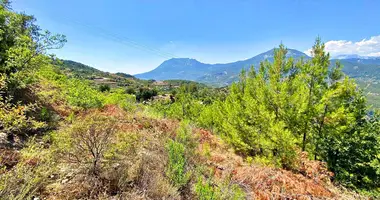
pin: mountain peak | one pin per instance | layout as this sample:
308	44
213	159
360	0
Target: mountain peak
291	53
188	60
192	69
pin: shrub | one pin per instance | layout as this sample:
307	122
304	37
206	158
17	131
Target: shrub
30	175
59	89
80	94
104	88
118	97
355	159
207	190
86	142
144	94
14	119
130	90
176	169
45	114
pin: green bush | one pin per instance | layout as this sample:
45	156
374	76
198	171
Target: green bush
104	88
207	190
45	114
85	142
14	119
144	94
355	157
118	97
80	94
176	169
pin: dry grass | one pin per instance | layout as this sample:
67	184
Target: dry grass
138	173
260	182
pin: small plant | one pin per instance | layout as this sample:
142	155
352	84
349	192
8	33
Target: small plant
176	169
249	160
71	117
45	114
205	191
206	150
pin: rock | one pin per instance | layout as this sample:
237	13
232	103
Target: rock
3	139
116	165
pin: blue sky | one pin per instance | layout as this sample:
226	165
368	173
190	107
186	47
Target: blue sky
135	36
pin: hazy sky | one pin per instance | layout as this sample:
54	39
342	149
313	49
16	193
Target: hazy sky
135	36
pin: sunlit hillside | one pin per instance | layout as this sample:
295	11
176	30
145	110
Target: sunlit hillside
290	128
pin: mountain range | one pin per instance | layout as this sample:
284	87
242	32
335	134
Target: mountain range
224	74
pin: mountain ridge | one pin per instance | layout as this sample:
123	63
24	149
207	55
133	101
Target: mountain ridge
222	74
192	69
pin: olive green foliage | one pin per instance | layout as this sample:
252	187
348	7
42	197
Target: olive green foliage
208	190
30	175
144	94
22	51
188	102
80	93
288	105
86	142
176	169
14	119
104	88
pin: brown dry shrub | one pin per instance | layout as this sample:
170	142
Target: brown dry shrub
268	183
314	169
132	163
260	182
9	158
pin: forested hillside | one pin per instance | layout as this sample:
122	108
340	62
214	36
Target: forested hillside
289	129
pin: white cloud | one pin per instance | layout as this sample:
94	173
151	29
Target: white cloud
365	47
377	54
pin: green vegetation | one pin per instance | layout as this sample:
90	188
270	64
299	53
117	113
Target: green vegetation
290	106
176	170
68	131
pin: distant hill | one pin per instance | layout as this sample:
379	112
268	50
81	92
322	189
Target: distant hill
224	74
213	74
361	68
125	75
80	70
